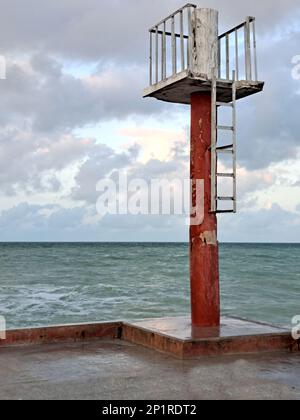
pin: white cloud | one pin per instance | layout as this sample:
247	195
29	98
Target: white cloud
265	225
47	171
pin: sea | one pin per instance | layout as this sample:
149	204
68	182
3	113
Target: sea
63	283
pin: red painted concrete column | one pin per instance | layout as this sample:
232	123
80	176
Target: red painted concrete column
204	255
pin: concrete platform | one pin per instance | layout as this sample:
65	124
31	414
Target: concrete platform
236	336
180	87
111	361
62	333
117	370
173	336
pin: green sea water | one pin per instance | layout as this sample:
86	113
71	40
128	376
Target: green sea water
45	284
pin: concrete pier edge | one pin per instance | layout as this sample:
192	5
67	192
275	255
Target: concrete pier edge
166	335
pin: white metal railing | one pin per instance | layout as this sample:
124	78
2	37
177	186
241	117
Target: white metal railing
171	41
237	52
170	45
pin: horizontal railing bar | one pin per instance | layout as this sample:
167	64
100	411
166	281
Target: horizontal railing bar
251	19
153	31
173	14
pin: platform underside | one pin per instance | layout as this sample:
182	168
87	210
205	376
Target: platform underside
179	88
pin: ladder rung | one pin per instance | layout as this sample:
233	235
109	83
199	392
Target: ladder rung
226	199
230	151
223	175
228	146
226	127
225	211
230	104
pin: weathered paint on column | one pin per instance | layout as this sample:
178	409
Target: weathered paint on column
204	43
204	262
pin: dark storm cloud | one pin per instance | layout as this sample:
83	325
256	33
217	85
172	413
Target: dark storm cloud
268	123
50	100
111	29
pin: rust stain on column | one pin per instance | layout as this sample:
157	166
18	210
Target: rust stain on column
204	253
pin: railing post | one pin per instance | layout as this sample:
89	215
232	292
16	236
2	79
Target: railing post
156	54
150	60
174	54
182	42
190	40
254	51
237	70
248	68
219	59
163	53
227	58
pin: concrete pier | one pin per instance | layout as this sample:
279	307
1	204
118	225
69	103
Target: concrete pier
174	336
115	369
153	359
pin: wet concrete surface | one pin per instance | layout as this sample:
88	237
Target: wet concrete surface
181	328
119	370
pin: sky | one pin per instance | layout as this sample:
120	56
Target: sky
72	113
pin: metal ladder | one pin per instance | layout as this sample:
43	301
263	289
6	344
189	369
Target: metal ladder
216	150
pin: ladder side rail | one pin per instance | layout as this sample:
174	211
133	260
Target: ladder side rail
234	123
214	123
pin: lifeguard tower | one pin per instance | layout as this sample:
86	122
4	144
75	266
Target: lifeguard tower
191	63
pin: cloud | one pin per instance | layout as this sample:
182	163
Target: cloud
39	94
268	126
150	154
253	181
54	223
112	29
154	143
36	223
31	162
101	163
47	97
265	225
